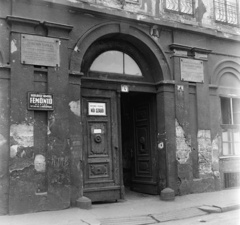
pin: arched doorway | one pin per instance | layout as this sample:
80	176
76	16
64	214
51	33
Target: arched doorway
118	93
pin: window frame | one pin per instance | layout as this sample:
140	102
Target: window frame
124	65
226	22
179	8
229	129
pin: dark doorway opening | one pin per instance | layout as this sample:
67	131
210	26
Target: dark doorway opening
139	158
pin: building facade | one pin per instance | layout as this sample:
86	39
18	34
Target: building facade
99	95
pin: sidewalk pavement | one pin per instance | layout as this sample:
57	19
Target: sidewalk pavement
135	210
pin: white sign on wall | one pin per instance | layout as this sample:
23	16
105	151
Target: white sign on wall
96	109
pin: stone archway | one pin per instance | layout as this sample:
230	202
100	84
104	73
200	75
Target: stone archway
134	35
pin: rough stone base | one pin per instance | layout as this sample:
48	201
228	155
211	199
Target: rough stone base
84	203
203	185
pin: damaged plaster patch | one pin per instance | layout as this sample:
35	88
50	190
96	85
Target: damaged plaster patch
215	154
205	152
13	151
141	17
2	140
76	49
13	46
22	134
75	107
51	121
183	146
74	1
40	163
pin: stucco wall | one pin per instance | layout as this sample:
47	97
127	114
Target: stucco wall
45	149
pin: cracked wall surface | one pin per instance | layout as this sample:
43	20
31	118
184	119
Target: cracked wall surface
205	153
183	147
154	10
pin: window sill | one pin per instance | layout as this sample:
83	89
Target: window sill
229	157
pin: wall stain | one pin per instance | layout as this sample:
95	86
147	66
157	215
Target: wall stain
200	11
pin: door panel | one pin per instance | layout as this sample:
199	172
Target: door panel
139	109
100	145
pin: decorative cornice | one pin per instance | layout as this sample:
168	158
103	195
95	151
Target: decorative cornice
76	73
16	19
201	50
180	47
188	48
65	27
186	51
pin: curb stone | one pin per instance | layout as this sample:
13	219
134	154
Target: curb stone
220	208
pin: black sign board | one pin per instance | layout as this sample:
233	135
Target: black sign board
40	101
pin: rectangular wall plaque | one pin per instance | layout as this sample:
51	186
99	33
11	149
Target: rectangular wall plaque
40	51
40	101
192	70
96	109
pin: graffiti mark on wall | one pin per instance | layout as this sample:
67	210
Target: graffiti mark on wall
61	162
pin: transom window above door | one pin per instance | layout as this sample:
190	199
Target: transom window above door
116	62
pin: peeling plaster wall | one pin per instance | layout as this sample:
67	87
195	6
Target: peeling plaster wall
75	107
4	106
183	147
46	148
209	175
39	164
205	153
154	10
183	157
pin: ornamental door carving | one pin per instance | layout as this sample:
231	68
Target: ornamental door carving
100	145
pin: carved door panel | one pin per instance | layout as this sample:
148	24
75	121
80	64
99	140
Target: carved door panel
100	145
145	167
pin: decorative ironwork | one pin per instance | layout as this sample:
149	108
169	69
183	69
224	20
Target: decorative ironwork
181	6
226	11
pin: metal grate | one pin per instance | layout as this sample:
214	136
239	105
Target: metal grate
181	6
226	11
231	180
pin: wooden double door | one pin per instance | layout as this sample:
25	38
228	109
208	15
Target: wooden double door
116	125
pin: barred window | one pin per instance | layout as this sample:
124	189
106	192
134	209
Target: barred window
230	108
226	11
180	6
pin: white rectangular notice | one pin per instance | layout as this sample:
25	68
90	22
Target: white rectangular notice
192	70
96	109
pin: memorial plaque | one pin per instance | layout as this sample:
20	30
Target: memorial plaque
40	101
40	51
192	70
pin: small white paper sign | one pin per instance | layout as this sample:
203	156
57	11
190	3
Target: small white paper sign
96	109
